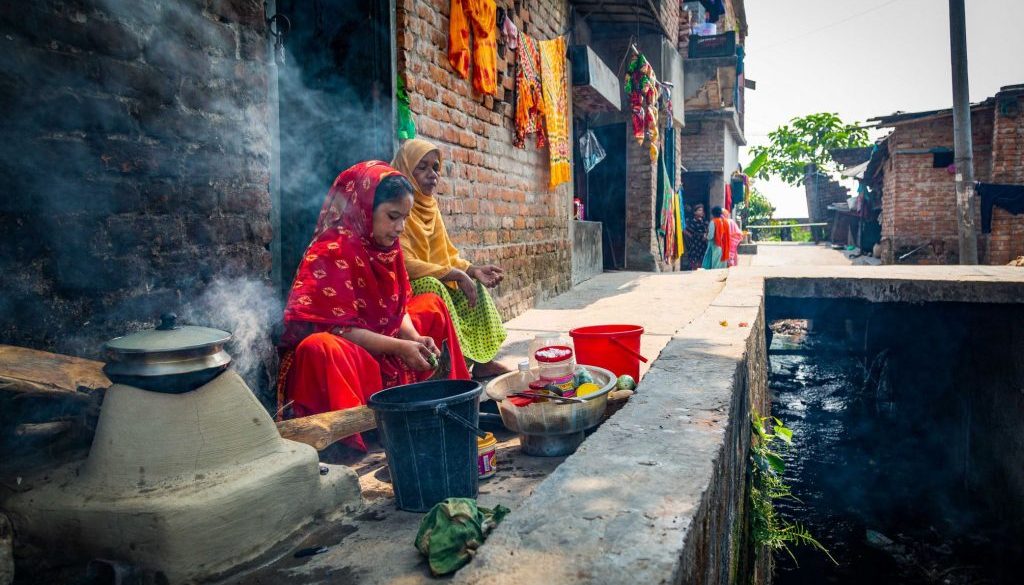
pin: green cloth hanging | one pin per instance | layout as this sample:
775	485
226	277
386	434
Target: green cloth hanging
404	123
452	531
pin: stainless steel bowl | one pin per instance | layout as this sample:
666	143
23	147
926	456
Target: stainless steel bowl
549	428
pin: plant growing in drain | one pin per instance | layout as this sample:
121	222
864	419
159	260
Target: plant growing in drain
767	485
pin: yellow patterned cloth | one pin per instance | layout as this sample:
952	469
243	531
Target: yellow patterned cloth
556	109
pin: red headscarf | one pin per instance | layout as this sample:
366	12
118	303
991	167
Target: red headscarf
345	278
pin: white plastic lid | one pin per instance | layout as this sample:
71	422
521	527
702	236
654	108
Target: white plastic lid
524	366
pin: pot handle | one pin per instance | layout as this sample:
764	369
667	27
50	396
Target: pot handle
621	345
442	409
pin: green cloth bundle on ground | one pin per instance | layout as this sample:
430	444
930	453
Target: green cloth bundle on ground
452	531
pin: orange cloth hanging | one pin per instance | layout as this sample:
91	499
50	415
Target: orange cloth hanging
529	96
481	15
556	109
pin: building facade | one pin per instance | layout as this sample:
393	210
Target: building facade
913	167
714	97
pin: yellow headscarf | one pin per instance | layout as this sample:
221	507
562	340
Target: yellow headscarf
425	243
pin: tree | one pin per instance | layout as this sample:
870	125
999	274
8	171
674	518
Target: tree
759	209
805	141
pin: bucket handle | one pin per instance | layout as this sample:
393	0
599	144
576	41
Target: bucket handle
635	353
442	409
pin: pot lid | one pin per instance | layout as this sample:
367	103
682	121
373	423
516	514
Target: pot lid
168	336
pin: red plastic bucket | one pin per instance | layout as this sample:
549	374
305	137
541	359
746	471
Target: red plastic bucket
613	347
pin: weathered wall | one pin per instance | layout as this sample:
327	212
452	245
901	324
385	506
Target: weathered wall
1007	239
919	201
494	197
135	153
641	196
587	253
703	146
821	191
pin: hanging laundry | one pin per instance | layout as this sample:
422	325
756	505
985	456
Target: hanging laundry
667	222
405	125
728	197
509	33
738	183
1008	197
642	88
529	96
481	15
556	109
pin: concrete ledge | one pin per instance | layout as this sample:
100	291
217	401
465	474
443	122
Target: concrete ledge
656	494
911	284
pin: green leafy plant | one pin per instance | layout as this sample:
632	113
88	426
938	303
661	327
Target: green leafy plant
804	141
759	209
767	467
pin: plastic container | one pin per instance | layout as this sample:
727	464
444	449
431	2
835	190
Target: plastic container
546	339
613	347
555	362
429	432
487	456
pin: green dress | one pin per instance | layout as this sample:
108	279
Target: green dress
479	327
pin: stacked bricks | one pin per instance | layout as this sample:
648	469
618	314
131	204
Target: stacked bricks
704	150
641	195
1007	239
136	161
919	201
494	197
821	191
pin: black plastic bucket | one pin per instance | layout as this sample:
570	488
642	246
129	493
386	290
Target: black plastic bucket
429	432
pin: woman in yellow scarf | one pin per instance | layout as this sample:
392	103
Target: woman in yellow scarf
434	264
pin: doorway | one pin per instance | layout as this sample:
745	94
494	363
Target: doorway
335	107
606	185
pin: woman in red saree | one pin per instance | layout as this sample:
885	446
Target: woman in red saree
352	326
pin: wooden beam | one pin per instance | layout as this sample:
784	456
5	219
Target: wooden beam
323	430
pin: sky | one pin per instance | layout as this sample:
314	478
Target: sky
866	58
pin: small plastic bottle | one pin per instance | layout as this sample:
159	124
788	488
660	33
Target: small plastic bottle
525	377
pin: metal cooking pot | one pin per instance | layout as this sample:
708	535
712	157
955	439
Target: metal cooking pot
171	358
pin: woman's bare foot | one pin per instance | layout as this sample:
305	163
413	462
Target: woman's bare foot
489	370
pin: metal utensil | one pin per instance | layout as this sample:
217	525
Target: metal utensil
568	399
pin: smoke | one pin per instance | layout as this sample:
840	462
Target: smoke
248	309
141	150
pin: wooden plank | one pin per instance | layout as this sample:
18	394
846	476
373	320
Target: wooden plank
323	430
29	370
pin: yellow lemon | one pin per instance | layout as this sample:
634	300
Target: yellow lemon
587	389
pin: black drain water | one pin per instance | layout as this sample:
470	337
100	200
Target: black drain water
892	458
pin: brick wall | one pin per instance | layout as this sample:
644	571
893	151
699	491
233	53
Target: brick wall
704	149
135	160
495	198
641	196
1007	239
919	201
821	191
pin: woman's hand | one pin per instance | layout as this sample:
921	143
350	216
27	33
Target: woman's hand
488	274
466	284
414	354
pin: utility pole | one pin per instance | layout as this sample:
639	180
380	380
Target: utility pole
963	156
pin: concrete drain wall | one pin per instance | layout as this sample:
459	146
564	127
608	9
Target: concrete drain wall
657	494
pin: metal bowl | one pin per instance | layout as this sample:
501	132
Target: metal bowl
550	428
